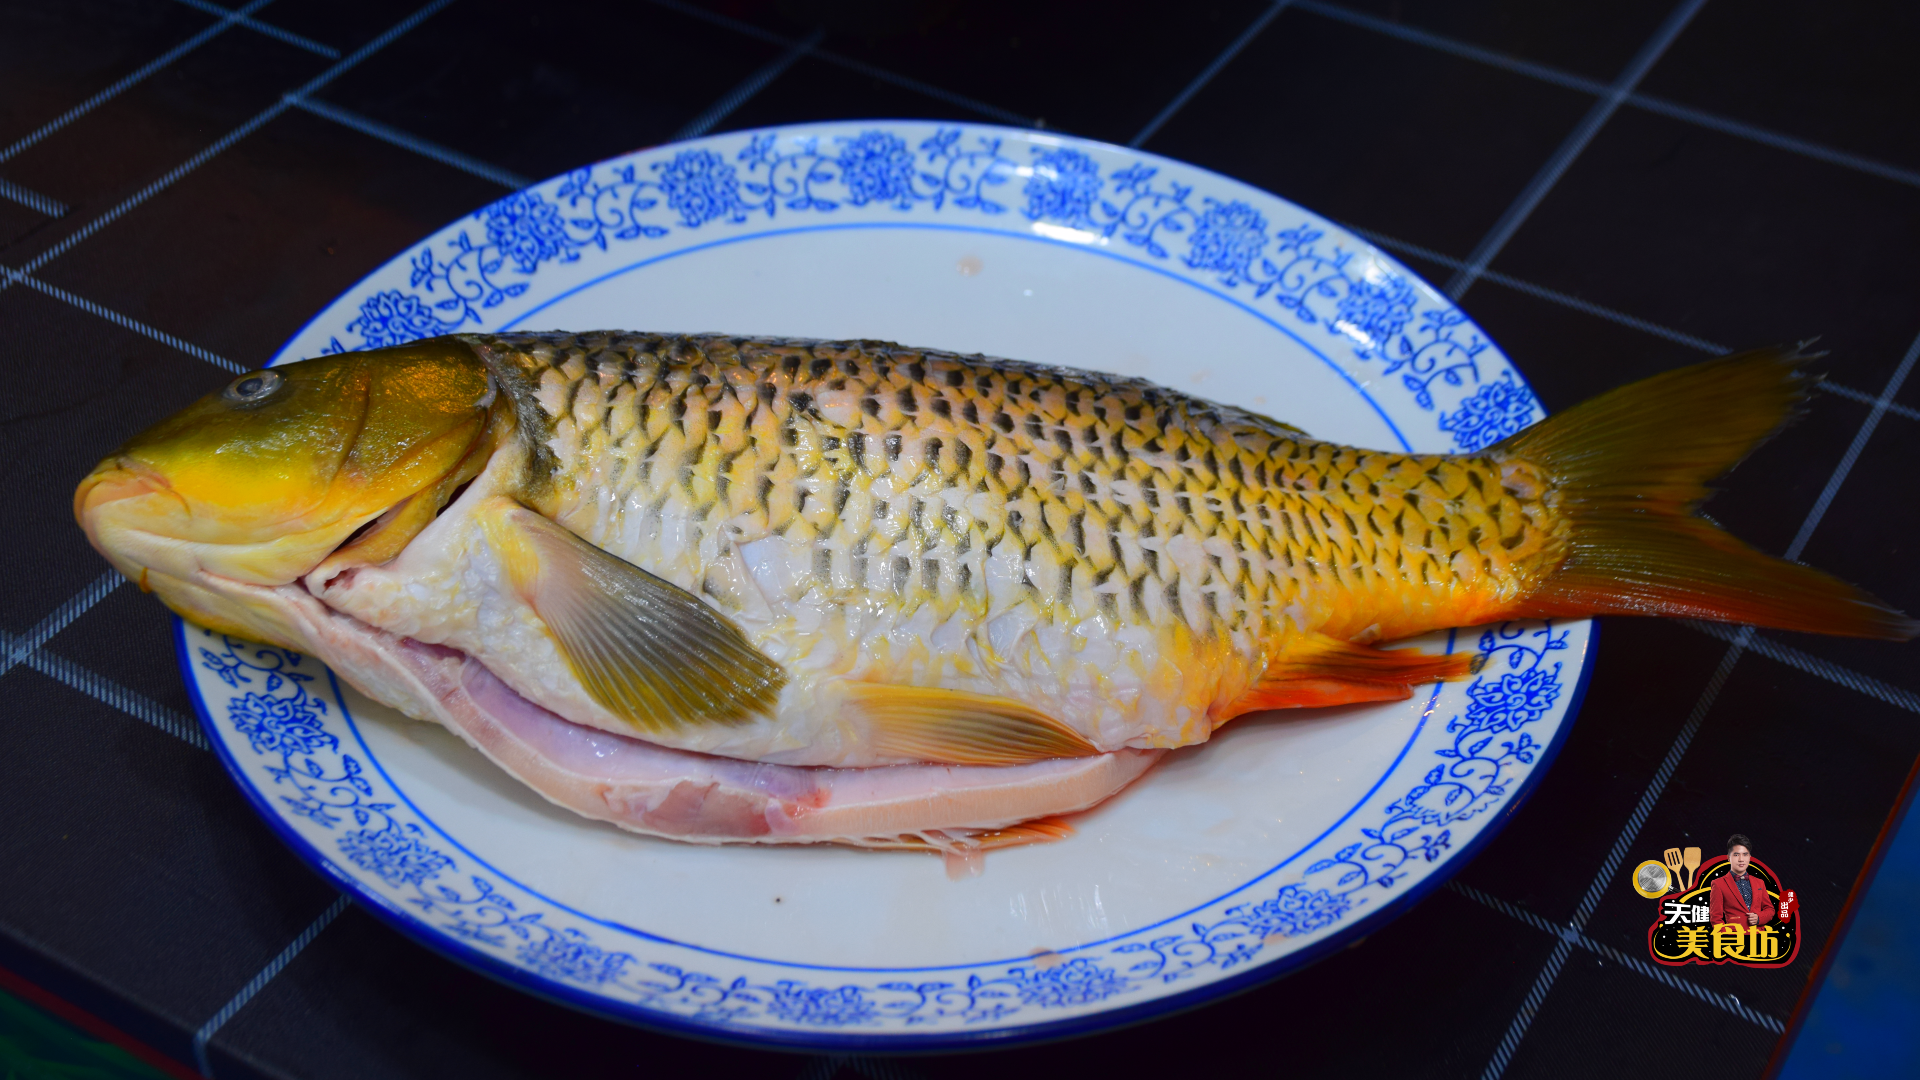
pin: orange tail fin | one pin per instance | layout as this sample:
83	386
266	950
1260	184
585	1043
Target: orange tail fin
1631	467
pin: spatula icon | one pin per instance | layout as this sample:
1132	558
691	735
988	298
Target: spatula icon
1672	858
1691	860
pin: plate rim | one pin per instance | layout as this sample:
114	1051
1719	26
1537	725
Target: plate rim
931	1042
1119	1015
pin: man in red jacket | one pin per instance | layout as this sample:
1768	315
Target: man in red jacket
1736	896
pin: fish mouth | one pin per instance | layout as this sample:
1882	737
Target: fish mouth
684	795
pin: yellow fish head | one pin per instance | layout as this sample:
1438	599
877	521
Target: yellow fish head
262	481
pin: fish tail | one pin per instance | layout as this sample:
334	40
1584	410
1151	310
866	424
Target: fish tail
1632	466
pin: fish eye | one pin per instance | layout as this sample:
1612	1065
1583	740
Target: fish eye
253	387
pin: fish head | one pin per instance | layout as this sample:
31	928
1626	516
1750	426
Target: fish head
286	468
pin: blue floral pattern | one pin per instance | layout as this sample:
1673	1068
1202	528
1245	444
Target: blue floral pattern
700	186
1486	750
1429	349
1299	272
1498	409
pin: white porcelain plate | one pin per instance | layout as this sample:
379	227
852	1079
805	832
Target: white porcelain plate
1283	838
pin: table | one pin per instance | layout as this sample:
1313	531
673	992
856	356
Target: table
1609	189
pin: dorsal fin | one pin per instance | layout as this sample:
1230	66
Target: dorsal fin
648	651
954	727
1314	670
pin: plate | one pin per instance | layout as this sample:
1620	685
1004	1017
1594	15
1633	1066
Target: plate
1286	837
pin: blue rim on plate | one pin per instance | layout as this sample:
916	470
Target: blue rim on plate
1434	381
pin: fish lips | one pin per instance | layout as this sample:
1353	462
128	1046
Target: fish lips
145	528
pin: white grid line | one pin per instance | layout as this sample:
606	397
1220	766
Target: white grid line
260	980
860	67
108	692
1865	398
287	37
138	74
166	180
750	86
32	199
1647	102
1465	50
16	277
1543	982
1588	307
408	141
62	617
1853	452
1206	76
1570	149
1882	404
1899	697
1652	971
1741	641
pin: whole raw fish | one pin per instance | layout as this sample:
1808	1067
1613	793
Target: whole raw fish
747	589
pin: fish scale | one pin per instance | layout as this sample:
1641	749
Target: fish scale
1032	509
1014	582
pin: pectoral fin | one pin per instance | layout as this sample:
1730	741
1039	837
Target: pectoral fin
648	651
953	727
1315	670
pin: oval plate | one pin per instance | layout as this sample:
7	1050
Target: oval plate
1286	837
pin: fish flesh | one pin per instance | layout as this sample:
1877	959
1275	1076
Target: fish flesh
777	590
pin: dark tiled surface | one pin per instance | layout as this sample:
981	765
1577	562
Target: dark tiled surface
141	885
557	97
1751	61
1875	532
1594	41
1465	138
820	90
1640	1015
1648	221
164	852
57	427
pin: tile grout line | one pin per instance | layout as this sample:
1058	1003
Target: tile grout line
1206	75
409	141
1543	982
287	37
1441	43
219	145
1864	398
748	87
1587	307
1646	102
260	980
1852	455
62	617
1575	143
125	322
32	199
1651	971
857	66
135	77
110	693
1517	1028
1813	665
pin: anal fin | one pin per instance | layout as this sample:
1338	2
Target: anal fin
648	651
954	727
1315	670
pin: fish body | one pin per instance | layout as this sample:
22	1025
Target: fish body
1121	557
853	556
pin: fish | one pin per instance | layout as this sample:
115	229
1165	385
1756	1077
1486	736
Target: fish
769	590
